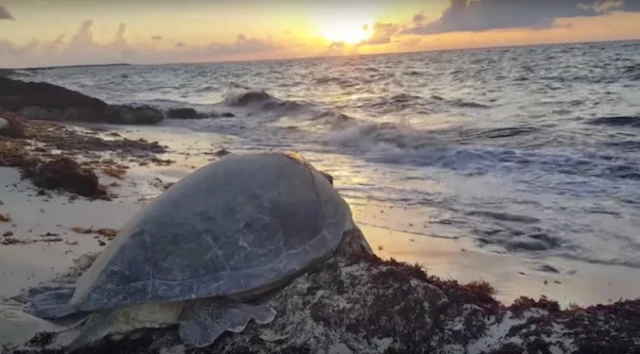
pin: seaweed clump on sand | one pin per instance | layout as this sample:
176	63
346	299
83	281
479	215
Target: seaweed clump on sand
11	125
57	157
65	173
368	305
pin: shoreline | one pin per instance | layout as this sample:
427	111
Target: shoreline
39	259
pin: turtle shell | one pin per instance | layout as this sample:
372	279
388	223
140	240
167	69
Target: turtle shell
236	225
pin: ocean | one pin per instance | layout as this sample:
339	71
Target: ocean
526	151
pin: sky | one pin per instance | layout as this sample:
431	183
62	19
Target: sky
68	32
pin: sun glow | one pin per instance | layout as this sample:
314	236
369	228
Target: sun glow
348	31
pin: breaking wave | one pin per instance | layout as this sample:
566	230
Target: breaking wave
246	98
259	99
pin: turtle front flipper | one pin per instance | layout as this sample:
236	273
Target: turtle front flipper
17	327
50	301
203	321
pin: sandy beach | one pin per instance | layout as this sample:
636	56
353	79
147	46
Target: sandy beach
40	241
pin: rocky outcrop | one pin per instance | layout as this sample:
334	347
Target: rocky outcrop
184	113
368	306
17	95
190	113
44	101
133	115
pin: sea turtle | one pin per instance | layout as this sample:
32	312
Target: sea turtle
206	252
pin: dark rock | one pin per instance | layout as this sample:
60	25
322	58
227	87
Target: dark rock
227	115
184	113
12	103
222	152
44	101
81	115
547	268
248	97
39	113
45	95
117	114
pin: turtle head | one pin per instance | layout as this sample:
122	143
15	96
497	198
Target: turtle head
354	244
327	176
296	156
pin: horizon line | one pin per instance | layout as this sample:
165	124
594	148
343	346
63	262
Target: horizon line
319	56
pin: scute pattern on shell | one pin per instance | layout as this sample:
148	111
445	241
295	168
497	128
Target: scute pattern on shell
238	224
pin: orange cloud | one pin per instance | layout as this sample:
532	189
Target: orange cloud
382	33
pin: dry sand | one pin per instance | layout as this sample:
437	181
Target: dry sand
25	264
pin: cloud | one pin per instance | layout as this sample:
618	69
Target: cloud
616	5
4	13
334	49
120	40
83	38
243	45
83	48
382	33
418	19
485	15
630	6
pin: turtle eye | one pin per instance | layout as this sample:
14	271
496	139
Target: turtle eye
328	177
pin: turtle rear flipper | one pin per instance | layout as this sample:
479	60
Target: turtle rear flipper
50	301
17	326
205	320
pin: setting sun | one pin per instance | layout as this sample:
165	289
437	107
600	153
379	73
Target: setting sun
349	32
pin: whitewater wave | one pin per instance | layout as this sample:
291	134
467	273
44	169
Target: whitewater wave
403	144
370	135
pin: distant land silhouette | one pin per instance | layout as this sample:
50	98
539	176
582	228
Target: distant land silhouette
7	72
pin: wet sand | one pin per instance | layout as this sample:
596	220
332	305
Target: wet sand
37	258
582	284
